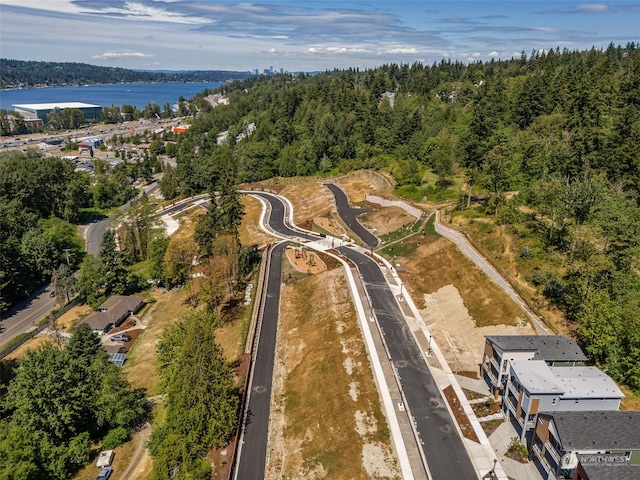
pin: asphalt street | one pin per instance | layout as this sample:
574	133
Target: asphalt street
26	315
252	455
443	448
349	215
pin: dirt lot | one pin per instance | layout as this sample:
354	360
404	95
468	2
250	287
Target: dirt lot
326	420
250	231
457	301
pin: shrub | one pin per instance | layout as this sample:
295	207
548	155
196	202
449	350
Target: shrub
115	437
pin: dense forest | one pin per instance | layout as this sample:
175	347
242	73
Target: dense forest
560	128
42	199
25	74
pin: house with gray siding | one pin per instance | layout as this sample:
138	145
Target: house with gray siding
533	386
589	445
554	350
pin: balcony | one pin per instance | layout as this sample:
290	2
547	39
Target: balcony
552	452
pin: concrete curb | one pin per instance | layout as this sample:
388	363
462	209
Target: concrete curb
389	407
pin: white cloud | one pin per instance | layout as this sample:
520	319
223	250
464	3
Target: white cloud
137	10
399	51
592	7
336	50
493	54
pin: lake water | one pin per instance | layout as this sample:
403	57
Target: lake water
136	94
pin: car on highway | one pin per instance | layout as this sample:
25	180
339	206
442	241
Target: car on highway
120	337
105	473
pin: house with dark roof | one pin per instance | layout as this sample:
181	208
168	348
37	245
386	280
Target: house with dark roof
499	350
113	312
587	445
533	386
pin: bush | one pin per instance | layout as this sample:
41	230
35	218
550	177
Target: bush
410	192
115	438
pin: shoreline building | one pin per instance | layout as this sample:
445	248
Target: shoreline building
39	111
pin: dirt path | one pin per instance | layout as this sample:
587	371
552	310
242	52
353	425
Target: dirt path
140	455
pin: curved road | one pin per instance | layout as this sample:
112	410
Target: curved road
443	448
349	215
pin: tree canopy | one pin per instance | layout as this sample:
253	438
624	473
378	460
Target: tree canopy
60	402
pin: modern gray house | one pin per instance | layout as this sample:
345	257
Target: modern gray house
587	445
533	387
554	350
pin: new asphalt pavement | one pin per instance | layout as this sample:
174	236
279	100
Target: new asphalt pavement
443	448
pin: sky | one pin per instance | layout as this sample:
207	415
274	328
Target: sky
296	35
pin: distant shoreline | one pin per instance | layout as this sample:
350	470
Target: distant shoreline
102	84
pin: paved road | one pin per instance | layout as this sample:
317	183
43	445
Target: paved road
253	442
444	451
349	215
29	312
26	315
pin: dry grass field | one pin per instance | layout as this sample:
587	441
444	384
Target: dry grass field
326	420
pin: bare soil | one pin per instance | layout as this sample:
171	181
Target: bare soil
326	420
502	248
383	220
456	332
250	231
460	316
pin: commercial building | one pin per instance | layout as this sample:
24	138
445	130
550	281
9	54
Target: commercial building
40	110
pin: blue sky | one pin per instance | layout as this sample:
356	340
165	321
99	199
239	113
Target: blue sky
300	35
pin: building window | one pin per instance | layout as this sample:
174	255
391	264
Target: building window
541	420
577	401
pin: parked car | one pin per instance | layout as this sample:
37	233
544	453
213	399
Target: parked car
105	473
120	337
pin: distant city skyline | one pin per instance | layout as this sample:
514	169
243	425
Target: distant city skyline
302	36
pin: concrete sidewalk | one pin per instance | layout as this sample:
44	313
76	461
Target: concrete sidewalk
500	440
482	454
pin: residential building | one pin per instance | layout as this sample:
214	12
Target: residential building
113	312
587	445
555	350
533	386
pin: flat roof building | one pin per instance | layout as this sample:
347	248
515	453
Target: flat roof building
40	110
